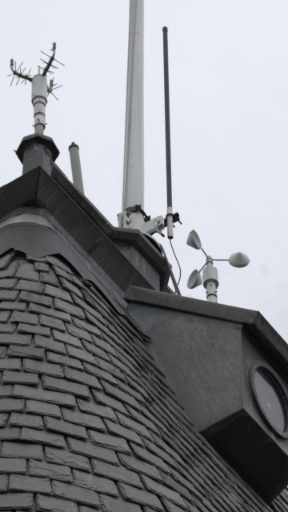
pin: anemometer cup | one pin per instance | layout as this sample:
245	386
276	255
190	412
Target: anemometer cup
193	240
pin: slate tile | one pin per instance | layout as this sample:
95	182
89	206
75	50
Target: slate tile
6	390
95	483
104	399
53	323
98	410
129	388
117	473
10	270
75	493
12	465
8	295
31	352
101	374
49	278
65	386
3	483
160	453
104	345
87	449
29	483
136	415
10	377
26	420
10	364
44	469
26	296
4	418
79	333
119	505
89	380
48	503
40	266
86	420
23	500
65	427
30	286
54	370
42	437
66	338
95	351
8	283
140	466
48	344
134	425
68	308
44	396
12	306
86	326
26	271
120	395
11	404
84	508
15	339
22	450
5	259
118	444
150	458
172	484
7	328
34	329
65	360
21	316
60	272
70	287
163	491
4	315
118	430
64	457
9	433
141	497
36	407
58	263
80	354
3	352
55	291
37	308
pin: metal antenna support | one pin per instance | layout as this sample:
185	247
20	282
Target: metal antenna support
76	167
210	273
40	89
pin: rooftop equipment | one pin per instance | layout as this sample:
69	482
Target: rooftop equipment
210	273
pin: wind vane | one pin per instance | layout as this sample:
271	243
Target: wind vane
40	88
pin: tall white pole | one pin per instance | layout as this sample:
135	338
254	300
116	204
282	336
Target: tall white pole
133	179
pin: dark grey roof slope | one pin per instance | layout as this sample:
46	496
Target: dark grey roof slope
87	420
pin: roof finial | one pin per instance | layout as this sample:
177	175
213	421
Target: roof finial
40	88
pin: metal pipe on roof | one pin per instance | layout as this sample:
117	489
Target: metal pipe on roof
76	167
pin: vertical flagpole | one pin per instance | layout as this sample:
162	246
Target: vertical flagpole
133	179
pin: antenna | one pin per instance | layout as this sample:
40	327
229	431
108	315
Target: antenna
40	89
210	273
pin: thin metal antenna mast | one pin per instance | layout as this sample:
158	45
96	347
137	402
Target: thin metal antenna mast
167	133
40	88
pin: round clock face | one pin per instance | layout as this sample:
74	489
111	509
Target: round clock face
271	398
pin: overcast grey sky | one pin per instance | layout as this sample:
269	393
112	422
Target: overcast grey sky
229	117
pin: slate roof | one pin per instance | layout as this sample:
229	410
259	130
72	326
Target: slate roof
87	420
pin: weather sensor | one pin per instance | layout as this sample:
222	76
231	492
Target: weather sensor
209	276
40	88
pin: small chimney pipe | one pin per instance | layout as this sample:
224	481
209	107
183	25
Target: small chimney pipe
76	167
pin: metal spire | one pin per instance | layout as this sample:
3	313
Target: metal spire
133	179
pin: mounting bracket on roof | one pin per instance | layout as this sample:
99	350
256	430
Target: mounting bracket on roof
40	88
